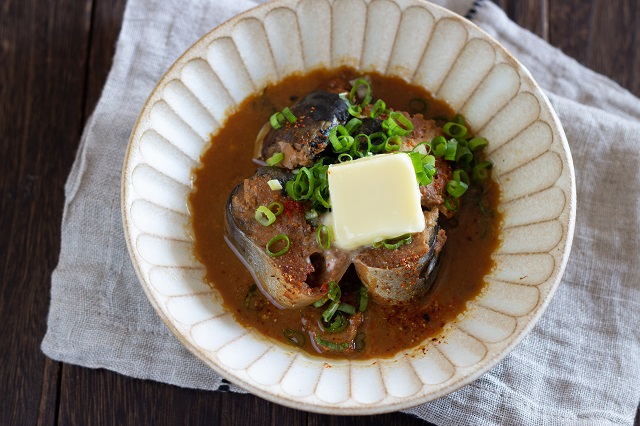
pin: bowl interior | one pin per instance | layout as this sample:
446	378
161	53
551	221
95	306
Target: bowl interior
425	45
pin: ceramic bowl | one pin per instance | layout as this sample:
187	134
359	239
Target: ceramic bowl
424	44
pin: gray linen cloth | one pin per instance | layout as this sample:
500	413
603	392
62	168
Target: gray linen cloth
579	365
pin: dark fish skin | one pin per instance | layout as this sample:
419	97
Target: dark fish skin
396	277
303	140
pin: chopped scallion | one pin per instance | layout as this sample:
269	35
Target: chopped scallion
323	237
277	120
291	118
264	216
278	239
275	159
275	185
279	208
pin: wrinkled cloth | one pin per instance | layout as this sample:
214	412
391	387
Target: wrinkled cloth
580	364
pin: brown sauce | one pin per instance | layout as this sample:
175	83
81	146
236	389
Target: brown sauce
472	235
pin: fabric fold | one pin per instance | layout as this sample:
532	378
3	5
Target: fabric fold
579	365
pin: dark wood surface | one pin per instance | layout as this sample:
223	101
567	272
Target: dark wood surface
54	59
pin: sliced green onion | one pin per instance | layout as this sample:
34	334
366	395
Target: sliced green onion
363	299
354	91
397	124
452	204
394	243
279	208
331	310
341	142
459	119
463	155
353	125
422	176
377	141
355	110
461	176
275	159
289	115
344	157
264	216
319	197
277	120
394	143
439	146
423	148
332	345
456	188
311	214
362	146
294	337
347	308
454	129
323	237
249	296
318	303
339	323
452	146
477	143
418	105
378	108
275	240
359	340
480	171
275	185
334	291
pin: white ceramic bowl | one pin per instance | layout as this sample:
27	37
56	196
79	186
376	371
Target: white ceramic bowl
424	44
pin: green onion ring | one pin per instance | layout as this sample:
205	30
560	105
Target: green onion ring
332	345
480	171
275	159
277	120
331	310
354	92
353	125
418	105
334	291
289	115
454	129
347	308
378	109
279	208
363	299
275	240
324	229
456	188
394	143
460	175
477	143
397	124
452	146
377	141
344	157
359	340
452	204
264	216
339	323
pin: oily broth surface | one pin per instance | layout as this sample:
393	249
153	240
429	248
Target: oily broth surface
471	236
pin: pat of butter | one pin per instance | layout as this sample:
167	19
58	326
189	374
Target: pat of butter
372	199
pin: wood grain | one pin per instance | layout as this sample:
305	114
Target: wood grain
55	57
43	48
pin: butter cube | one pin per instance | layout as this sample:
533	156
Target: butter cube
372	199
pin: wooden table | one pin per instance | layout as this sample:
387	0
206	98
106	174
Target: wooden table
54	59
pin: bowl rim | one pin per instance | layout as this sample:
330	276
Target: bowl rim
363	409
